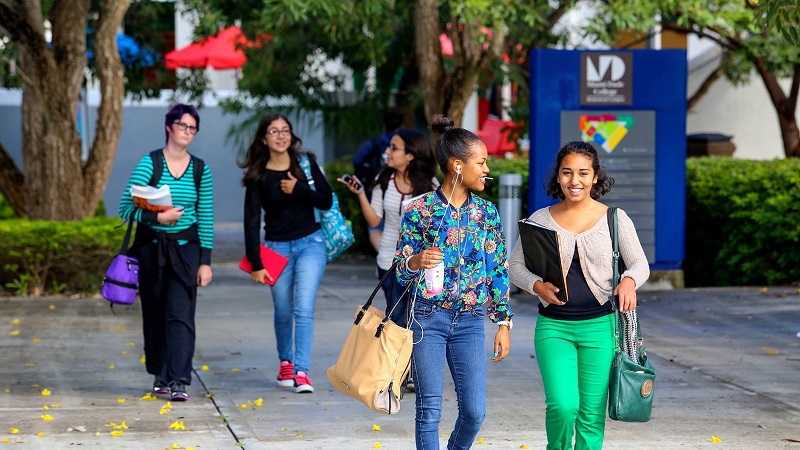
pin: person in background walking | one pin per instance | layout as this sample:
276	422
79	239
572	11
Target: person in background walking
369	160
456	228
575	340
275	183
174	250
410	171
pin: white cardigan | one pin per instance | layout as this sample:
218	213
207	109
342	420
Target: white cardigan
595	253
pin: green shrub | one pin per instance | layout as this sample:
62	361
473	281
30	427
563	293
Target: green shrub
5	209
38	257
742	222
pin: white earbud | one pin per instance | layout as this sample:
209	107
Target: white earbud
458	168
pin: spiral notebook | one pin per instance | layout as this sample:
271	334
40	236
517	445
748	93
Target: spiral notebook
273	261
542	249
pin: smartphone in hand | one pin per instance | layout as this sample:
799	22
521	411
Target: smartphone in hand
347	179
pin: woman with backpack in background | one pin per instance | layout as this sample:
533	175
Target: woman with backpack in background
174	247
276	183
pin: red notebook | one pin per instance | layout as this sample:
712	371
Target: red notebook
273	261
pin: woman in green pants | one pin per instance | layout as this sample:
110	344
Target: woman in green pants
575	339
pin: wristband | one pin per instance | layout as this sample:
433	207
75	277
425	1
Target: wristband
506	323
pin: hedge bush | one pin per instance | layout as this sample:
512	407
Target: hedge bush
39	257
742	222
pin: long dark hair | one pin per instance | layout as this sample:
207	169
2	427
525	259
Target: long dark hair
175	113
257	156
452	142
604	182
420	170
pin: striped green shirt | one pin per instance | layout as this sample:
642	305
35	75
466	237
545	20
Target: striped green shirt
183	192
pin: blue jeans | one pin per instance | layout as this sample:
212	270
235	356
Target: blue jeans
393	291
294	295
456	337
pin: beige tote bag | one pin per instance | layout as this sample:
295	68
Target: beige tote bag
375	358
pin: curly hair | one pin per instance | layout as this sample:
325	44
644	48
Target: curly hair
604	182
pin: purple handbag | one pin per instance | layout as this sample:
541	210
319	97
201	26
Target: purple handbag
122	277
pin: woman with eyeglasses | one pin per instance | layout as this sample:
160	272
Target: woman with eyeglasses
409	171
173	244
275	182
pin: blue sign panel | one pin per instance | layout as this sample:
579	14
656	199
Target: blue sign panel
631	105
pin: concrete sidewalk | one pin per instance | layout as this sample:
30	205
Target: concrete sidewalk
727	362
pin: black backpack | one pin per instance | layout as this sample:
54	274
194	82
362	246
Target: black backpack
158	168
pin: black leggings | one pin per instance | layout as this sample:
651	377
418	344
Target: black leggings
168	308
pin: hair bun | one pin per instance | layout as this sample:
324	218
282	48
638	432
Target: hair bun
441	123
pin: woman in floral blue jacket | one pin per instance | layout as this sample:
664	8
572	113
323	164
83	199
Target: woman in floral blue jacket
453	226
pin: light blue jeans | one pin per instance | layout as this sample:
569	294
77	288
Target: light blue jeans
459	339
294	296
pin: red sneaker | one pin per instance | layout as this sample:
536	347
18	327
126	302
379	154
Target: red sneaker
303	384
286	374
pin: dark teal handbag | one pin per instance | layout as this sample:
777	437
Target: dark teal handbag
630	390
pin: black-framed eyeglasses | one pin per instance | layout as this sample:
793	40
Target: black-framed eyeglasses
185	126
275	132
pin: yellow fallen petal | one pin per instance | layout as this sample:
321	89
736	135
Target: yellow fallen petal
117	433
31	364
123	426
300	435
46	392
36	340
15	322
715	439
41	434
120	400
149	396
235	369
51	307
131	344
480	441
377	445
524	446
97	433
14	431
243	406
14	333
45	408
189	448
36	385
204	368
209	395
259	402
175	445
164	412
110	367
376	427
770	351
283	429
6	440
55	405
6	391
167	405
177	425
141	360
46	417
764	289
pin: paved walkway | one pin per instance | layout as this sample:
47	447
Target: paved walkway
728	365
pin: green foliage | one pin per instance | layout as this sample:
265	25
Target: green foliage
501	166
66	256
742	222
6	212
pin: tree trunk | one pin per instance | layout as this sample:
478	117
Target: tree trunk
12	183
109	118
429	56
784	105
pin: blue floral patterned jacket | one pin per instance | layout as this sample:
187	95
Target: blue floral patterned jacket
475	263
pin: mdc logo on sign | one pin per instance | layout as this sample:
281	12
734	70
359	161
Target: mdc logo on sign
606	78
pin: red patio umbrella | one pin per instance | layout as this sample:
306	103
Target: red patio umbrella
223	51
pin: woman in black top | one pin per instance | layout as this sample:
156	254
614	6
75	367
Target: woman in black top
275	182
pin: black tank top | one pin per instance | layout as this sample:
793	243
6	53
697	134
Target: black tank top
582	304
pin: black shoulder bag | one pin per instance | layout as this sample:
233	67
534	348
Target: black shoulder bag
630	390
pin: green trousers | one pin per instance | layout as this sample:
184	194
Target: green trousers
575	361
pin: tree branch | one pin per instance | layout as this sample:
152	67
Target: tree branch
793	91
556	15
704	87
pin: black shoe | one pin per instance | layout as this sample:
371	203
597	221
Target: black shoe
160	386
178	392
